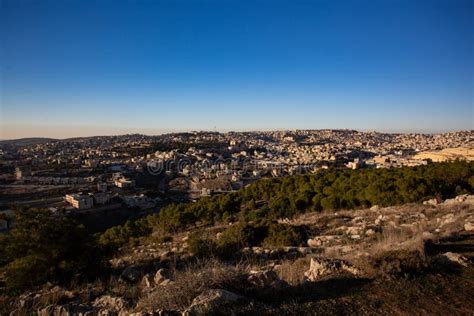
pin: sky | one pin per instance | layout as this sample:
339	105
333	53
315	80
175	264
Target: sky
81	68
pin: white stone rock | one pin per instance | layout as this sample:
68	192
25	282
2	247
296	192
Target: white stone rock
160	276
469	227
211	299
431	202
320	267
455	258
369	232
375	208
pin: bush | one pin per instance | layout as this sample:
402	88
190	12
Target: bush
281	235
42	247
117	236
201	244
238	236
28	271
395	263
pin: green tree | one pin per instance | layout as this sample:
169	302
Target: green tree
43	247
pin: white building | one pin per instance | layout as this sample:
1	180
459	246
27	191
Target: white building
22	172
80	201
124	183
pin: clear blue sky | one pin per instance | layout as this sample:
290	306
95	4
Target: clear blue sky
104	67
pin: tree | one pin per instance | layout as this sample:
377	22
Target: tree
43	247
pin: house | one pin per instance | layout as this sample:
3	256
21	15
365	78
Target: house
124	183
22	172
80	201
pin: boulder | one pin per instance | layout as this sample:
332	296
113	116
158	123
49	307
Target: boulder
147	281
166	282
353	230
320	267
369	232
314	242
265	279
379	220
375	208
453	258
431	202
461	198
211	300
448	219
469	227
160	276
319	241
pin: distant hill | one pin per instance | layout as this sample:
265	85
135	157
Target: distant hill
447	154
27	141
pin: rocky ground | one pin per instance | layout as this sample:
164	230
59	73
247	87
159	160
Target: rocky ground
410	259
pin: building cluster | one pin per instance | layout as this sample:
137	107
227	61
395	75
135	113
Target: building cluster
138	171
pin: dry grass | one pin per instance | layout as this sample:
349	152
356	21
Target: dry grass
400	245
292	272
190	282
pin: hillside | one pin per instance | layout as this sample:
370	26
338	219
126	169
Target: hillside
447	154
413	258
335	242
27	141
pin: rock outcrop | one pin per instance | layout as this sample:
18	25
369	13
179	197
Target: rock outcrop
321	267
211	300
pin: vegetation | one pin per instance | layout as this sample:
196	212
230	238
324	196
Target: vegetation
43	248
117	236
271	199
326	190
281	235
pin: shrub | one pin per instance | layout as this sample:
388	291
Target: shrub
117	236
42	247
394	263
281	235
201	244
238	236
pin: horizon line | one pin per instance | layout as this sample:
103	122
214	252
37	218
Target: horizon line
221	131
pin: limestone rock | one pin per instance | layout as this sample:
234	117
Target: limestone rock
369	232
265	279
320	267
431	202
160	276
147	281
211	299
454	258
375	208
469	227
